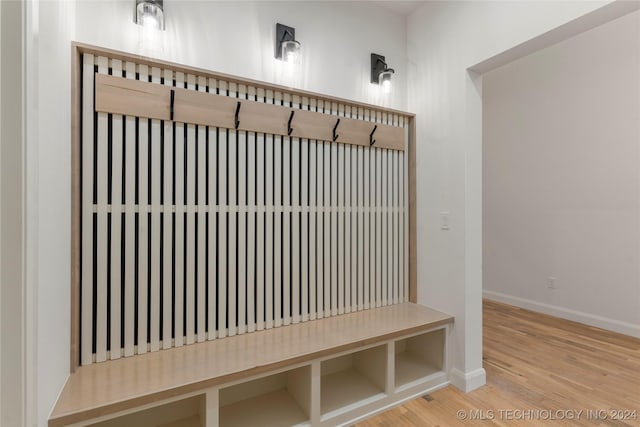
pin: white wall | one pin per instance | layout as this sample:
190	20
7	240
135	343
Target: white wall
561	141
50	157
229	37
444	40
12	367
237	37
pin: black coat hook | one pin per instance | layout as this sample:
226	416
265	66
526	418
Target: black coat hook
334	131
289	128
371	140
237	122
173	95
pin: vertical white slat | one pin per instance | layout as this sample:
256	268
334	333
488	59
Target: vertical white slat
355	258
360	225
343	291
388	182
319	227
270	259
320	219
242	223
366	216
396	228
251	223
101	235
261	279
405	206
313	216
212	213
190	260
116	225
270	223
304	230
277	226
304	222
167	226
334	222
378	259
129	229
327	283
201	286
384	253
179	237
143	224
286	223
154	256
232	242
295	225
372	221
86	316
223	202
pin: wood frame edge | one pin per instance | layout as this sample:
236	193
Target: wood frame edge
413	245
74	360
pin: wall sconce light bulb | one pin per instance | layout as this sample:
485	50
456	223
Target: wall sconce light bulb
149	14
386	85
291	51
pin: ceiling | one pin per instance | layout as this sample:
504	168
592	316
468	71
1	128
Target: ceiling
403	8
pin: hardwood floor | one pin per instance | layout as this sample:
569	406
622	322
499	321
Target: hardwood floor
540	369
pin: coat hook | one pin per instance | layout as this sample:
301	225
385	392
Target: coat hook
237	122
371	140
334	131
173	95
289	128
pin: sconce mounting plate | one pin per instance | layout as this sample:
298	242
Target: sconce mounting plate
283	33
378	65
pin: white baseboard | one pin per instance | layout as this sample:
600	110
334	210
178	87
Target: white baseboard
468	381
566	313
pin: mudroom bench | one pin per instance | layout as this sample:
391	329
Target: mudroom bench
330	371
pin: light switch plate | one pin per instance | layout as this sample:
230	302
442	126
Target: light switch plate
444	221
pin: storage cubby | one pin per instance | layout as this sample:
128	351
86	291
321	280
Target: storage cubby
418	358
280	400
182	413
352	380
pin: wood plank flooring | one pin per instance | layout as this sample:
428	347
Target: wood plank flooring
540	369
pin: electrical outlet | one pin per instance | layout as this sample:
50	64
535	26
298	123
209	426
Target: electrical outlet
551	283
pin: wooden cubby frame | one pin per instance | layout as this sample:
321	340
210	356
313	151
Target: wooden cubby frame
293	395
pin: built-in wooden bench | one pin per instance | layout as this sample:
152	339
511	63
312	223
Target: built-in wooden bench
400	349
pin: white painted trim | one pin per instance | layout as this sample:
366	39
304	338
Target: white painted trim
394	404
468	381
566	313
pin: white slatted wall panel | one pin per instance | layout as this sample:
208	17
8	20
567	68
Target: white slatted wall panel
193	233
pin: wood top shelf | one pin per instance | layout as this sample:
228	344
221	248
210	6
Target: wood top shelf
108	387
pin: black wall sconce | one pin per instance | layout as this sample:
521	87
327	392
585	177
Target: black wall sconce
150	14
380	72
287	47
